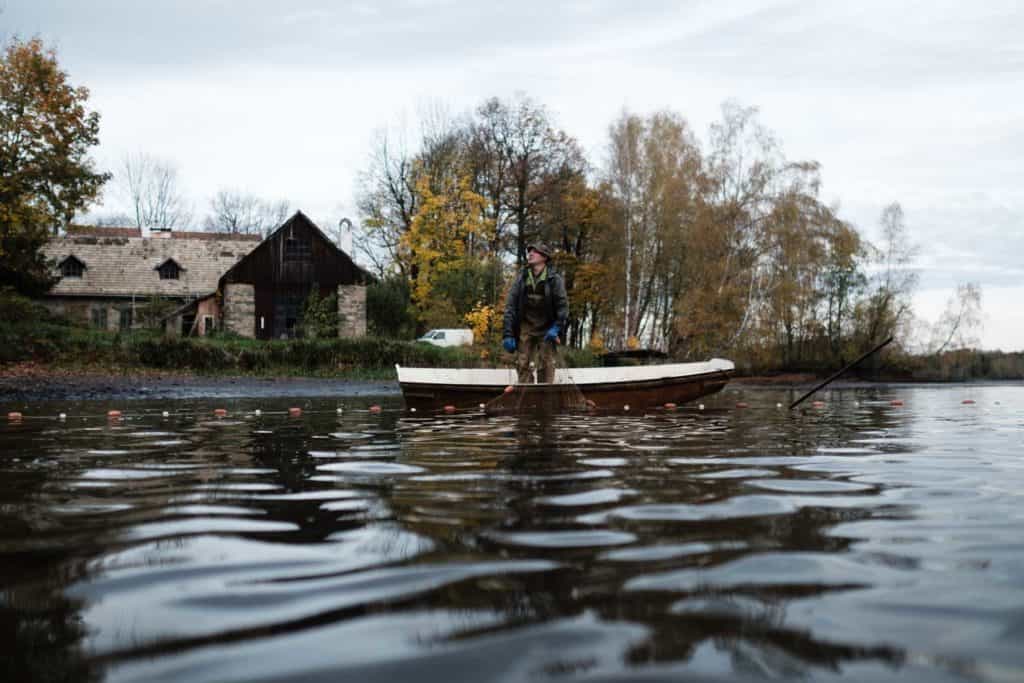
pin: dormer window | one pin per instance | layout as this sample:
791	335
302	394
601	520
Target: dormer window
169	270
71	267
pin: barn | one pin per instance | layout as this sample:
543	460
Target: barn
262	295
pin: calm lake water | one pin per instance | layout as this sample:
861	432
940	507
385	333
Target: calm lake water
857	541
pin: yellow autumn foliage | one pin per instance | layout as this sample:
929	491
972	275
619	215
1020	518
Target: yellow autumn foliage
486	322
447	232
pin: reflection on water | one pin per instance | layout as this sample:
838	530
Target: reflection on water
859	541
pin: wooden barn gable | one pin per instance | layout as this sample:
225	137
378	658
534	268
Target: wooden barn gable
297	254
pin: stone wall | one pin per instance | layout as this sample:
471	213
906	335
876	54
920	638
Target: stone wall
240	309
105	313
351	311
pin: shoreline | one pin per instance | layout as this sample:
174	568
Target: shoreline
32	382
21	382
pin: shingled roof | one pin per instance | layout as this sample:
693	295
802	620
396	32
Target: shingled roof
126	266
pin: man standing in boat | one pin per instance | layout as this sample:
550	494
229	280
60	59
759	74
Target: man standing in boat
535	315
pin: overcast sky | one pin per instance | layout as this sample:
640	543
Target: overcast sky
916	102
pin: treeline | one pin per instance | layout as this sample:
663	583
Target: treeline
696	246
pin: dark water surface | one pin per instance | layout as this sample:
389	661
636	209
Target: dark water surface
858	541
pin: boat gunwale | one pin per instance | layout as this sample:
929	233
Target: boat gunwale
676	375
589	387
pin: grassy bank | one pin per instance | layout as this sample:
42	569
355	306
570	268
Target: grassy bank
69	347
363	358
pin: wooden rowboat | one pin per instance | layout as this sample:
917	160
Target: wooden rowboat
612	389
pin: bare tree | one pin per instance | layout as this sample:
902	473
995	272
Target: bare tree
387	202
151	185
889	303
960	321
238	212
112	220
520	161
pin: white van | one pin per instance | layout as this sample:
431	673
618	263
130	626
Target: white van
448	337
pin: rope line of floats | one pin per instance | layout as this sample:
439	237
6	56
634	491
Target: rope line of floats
297	412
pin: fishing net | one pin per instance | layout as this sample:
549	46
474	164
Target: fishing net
561	396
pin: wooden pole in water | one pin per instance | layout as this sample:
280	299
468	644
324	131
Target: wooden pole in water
834	375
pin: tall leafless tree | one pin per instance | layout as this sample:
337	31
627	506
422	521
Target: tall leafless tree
151	186
239	212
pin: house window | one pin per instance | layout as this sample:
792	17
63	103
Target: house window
126	319
99	318
297	249
71	267
169	270
207	324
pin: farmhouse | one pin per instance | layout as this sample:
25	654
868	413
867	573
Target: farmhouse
198	282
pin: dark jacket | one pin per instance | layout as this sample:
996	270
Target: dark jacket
556	303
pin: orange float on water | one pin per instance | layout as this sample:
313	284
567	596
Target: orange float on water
509	389
294	412
449	409
742	404
220	412
670	406
968	401
14	416
374	409
114	414
895	402
818	404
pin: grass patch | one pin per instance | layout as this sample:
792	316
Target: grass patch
36	336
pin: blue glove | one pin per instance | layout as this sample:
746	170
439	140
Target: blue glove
509	343
552	335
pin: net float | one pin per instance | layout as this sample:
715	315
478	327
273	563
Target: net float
818	404
374	409
449	409
896	402
14	416
257	412
294	412
220	412
968	401
167	414
509	389
114	414
62	416
670	406
742	404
